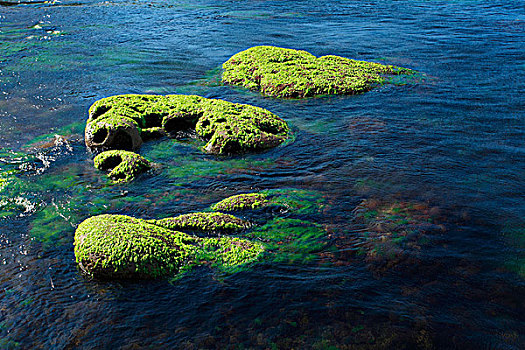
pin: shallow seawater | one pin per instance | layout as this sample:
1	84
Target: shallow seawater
421	185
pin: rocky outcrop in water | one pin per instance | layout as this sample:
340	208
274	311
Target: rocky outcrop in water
288	73
124	122
118	246
124	247
242	202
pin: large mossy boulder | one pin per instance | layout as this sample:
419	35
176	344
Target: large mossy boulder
125	121
287	73
118	246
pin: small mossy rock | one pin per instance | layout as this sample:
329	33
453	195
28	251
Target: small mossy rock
293	200
243	201
287	73
125	121
124	166
211	223
123	247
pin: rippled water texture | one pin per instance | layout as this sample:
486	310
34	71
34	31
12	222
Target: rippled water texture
422	184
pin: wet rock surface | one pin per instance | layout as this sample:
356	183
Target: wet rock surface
123	166
123	247
287	73
124	122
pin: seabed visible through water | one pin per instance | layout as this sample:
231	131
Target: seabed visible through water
415	238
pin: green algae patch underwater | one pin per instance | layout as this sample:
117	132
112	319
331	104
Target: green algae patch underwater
61	136
290	240
290	234
514	236
124	166
288	73
125	121
183	163
15	191
118	246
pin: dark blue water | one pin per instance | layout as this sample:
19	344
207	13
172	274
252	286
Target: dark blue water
452	143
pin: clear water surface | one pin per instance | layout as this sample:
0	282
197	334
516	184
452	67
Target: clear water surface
451	144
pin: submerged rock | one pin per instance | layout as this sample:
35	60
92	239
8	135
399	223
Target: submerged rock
124	166
288	73
118	246
396	231
125	121
291	240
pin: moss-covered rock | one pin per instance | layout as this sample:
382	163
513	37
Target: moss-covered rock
118	246
125	121
288	73
123	165
211	223
242	202
293	200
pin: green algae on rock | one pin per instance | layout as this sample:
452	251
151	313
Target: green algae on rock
211	223
125	121
118	246
294	200
124	166
242	202
288	73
